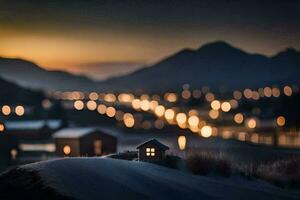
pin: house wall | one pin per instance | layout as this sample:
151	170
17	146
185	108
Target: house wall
109	144
84	146
159	154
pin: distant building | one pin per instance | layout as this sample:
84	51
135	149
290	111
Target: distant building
84	142
32	129
152	151
31	138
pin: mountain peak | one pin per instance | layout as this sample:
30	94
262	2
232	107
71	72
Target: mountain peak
289	53
219	47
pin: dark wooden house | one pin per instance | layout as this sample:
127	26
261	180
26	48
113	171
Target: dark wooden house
30	130
152	151
33	138
84	142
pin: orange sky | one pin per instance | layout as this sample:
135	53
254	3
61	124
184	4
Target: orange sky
110	38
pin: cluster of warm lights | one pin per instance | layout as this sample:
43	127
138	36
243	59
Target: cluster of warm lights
264	92
175	115
18	110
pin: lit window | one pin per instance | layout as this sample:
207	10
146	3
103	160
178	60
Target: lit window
67	150
150	151
98	147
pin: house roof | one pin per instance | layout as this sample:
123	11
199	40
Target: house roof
32	124
156	143
73	132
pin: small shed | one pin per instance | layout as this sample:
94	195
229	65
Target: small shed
84	142
152	151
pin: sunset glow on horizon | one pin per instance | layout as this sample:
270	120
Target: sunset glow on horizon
93	41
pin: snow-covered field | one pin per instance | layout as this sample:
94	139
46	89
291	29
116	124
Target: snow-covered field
104	178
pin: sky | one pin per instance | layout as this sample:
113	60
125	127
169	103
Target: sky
110	38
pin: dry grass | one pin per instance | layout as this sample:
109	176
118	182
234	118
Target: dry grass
209	163
283	173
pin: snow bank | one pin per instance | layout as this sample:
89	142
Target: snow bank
104	178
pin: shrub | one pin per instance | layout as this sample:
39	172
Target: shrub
284	173
209	163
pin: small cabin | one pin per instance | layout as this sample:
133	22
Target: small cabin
152	151
75	142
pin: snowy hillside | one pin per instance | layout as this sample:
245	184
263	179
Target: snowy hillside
99	178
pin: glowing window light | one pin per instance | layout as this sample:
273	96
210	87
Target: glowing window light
268	91
93	96
145	97
242	136
182	142
206	131
110	111
275	92
225	106
6	110
145	105
209	97
193	112
181	118
136	104
261	92
169	114
91	105
238	118
78	105
128	120
194	129
254	138
234	103
287	90
19	110
171	97
214	114
280	121
14	153
150	152
226	134
215	105
126	98
248	93
110	97
67	150
251	123
101	109
237	95
255	95
193	121
2	127
160	111
186	94
153	104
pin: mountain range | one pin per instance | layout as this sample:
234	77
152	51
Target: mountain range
13	94
214	64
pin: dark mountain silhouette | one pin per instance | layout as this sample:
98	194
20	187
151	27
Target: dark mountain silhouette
215	64
30	75
13	94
